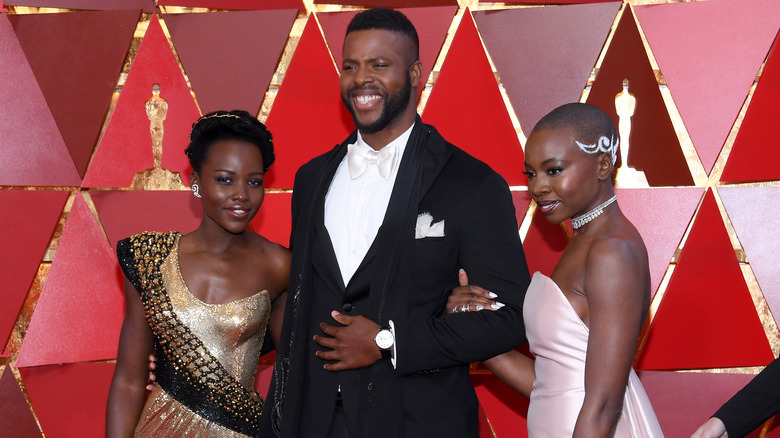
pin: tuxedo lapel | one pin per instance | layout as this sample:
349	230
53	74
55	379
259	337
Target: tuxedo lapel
436	154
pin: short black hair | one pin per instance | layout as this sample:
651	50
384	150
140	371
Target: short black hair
586	122
387	19
228	125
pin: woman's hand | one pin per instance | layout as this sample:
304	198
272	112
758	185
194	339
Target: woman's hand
470	298
712	428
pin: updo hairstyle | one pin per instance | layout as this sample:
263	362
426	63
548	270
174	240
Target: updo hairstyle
228	125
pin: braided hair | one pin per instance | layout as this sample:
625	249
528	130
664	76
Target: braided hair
228	125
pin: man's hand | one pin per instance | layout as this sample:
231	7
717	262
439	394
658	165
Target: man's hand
713	428
352	346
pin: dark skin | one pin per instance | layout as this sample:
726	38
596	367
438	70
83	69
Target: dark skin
603	273
377	63
220	262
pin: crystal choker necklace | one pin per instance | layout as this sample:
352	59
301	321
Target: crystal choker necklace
579	221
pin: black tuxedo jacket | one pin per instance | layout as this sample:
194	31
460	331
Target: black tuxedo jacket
753	404
406	280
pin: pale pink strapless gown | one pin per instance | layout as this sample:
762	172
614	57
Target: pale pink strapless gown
559	340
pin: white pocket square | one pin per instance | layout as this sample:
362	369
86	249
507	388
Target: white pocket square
426	228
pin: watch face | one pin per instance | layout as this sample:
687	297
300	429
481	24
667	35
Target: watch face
384	339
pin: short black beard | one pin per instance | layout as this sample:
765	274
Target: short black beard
393	107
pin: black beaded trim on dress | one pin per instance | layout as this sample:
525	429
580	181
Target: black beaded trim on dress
186	370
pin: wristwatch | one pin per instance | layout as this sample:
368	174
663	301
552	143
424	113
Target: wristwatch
384	340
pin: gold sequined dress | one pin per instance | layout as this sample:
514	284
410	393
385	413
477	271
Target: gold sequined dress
206	354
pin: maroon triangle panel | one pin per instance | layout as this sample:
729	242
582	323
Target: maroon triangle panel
432	25
645	207
477	120
756	151
655	148
230	57
126	145
79	313
123	213
543	244
683	401
308	117
274	220
69	400
101	5
706	318
521	200
506	410
710	53
16	419
236	4
544	56
393	3
88	50
32	151
754	212
26	225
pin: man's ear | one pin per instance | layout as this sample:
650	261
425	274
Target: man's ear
415	73
605	166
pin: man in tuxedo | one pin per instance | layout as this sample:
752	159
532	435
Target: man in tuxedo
382	224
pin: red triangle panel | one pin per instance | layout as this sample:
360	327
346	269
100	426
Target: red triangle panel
707	318
393	3
79	313
544	56
506	410
70	400
755	214
32	151
274	220
543	245
756	150
126	146
236	4
102	5
710	53
521	200
644	208
481	125
655	148
88	49
123	213
16	419
230	57
432	25
308	117
683	401
26	225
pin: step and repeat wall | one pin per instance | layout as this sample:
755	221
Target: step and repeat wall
97	98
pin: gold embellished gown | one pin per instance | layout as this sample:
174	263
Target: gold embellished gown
206	354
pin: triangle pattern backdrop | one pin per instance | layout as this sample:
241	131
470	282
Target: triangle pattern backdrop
15	415
26	226
475	121
88	49
230	57
709	53
236	4
707	283
126	146
102	5
754	140
544	56
655	148
79	313
32	150
308	117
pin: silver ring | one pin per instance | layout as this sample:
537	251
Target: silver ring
455	310
465	308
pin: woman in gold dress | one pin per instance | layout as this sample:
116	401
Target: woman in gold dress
201	301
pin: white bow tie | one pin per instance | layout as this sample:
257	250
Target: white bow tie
359	158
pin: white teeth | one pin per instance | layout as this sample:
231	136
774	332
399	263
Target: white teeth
366	99
239	211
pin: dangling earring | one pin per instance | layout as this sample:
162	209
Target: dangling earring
195	190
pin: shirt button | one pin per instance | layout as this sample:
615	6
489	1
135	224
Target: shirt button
360	212
354	251
346	307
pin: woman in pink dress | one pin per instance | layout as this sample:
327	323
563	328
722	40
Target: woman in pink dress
583	322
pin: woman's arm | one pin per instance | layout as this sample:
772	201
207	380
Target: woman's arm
617	290
515	369
127	393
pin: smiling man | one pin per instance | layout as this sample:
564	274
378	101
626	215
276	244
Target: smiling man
381	226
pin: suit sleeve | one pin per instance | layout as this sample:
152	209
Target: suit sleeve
491	252
753	404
